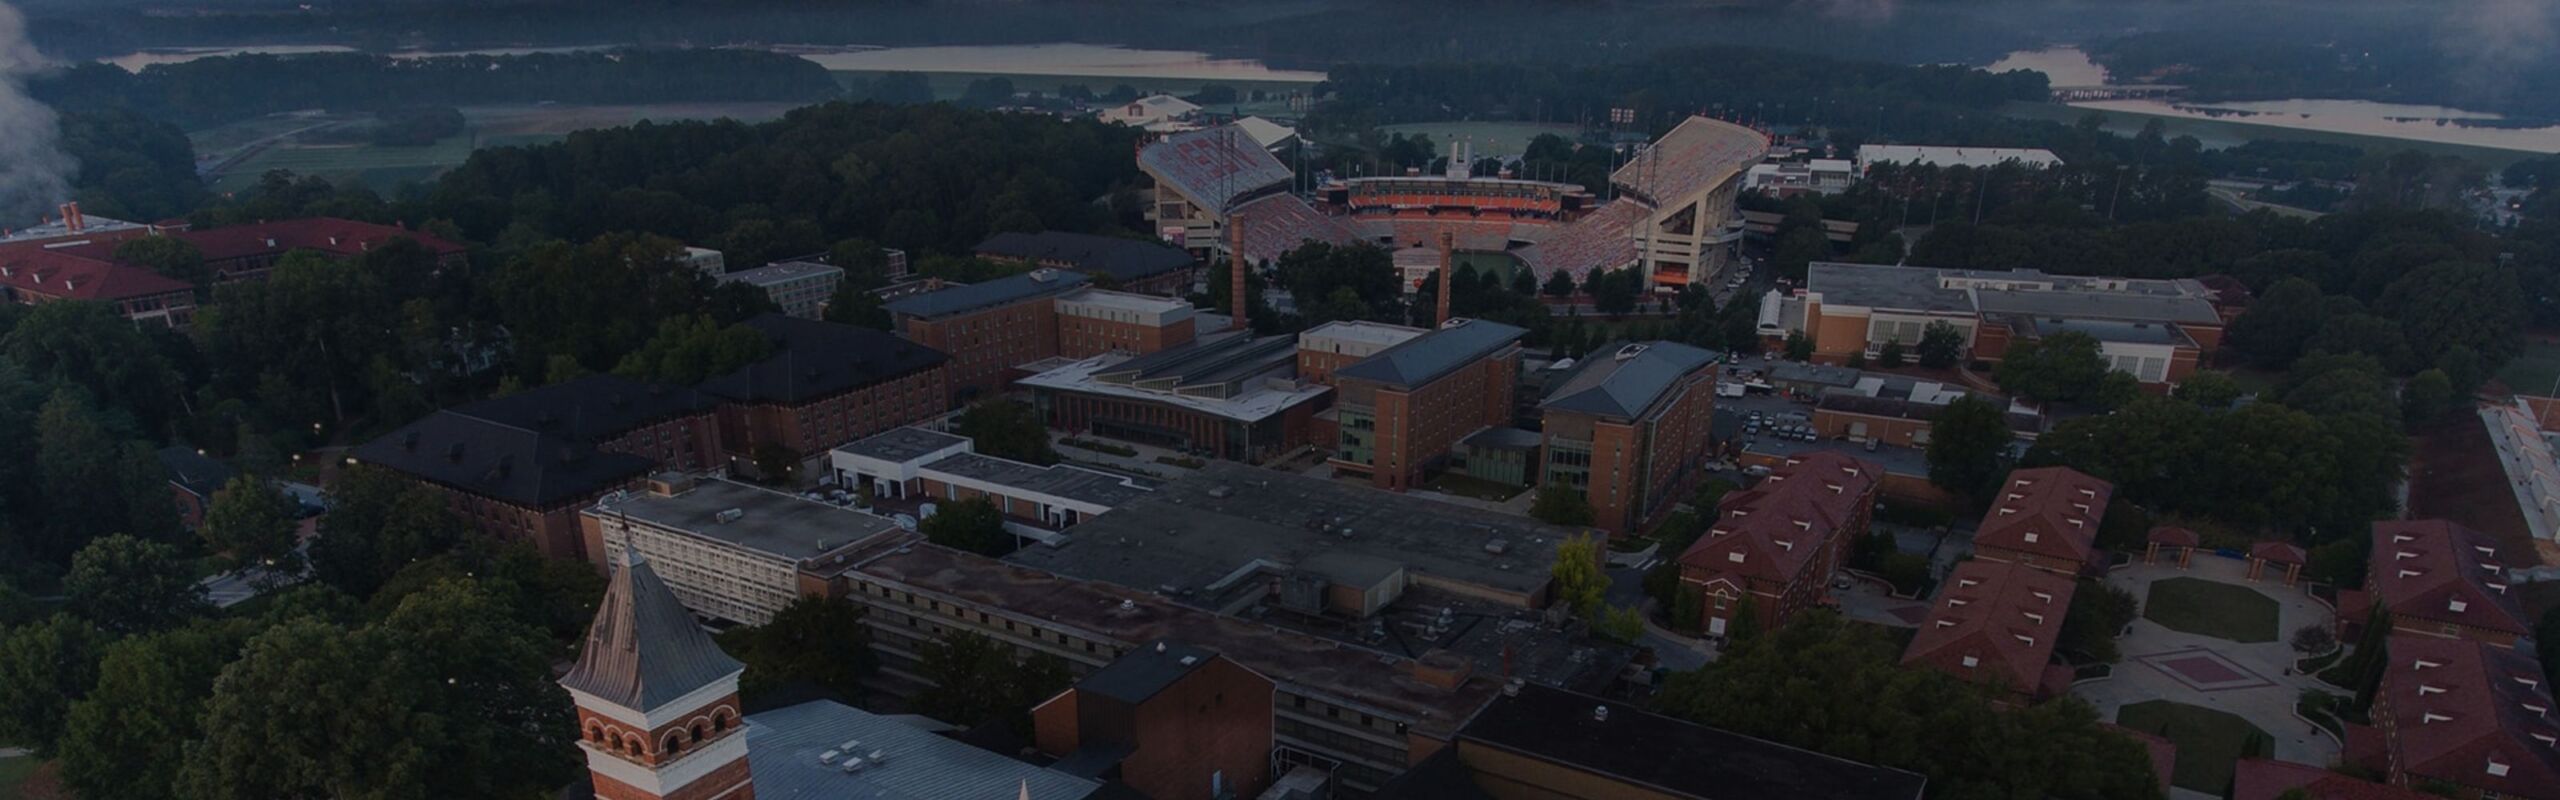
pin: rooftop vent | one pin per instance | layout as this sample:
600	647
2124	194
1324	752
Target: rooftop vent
1599	713
1629	351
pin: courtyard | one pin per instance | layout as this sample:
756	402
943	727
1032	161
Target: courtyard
2209	742
2219	610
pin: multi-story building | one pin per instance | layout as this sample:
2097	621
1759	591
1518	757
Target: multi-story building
659	719
2155	330
1773	547
2436	578
1629	429
989	327
1326	348
1674	218
79	266
2463	714
1092	322
1401	410
1994	623
1898	410
243	252
1172	721
1230	395
520	467
801	288
2269	779
1130	265
909	467
825	384
2045	518
1789	178
728	550
1541	743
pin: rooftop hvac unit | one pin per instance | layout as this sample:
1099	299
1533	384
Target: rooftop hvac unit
854	764
730	515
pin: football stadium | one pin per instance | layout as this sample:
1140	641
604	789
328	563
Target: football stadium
1672	212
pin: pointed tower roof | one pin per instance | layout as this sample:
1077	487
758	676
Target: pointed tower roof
644	649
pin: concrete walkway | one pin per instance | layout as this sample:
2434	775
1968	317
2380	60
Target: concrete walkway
2250	680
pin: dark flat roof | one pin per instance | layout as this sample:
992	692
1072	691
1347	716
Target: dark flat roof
1121	259
814	360
1681	757
986	294
1423	359
515	465
1614	382
1141	673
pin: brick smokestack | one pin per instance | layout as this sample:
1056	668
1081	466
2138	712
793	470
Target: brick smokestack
1448	246
1236	282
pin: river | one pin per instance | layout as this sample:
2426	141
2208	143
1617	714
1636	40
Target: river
1101	61
135	61
2069	66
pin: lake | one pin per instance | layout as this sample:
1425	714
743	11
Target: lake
2070	66
135	61
1055	59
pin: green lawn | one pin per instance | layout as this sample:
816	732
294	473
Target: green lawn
2208	741
2220	610
1490	138
14	771
2533	371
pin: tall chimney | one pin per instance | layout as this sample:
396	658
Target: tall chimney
1448	245
1235	249
71	217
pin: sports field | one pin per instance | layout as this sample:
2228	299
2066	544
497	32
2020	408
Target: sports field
1489	138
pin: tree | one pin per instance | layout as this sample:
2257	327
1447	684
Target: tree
691	349
1007	429
90	346
170	256
45	668
126	585
979	681
2098	613
1891	357
2546	641
2458	304
1624	625
2115	390
2314	639
2426	397
1941	345
311	327
254	521
857	305
2064	367
127	738
1745	626
1580	582
2271	333
1969	447
1799	346
93	481
2212	389
1559	284
1822	684
1561	504
815	640
378	524
974	525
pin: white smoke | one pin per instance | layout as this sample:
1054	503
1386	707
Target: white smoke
2490	41
34	172
1869	11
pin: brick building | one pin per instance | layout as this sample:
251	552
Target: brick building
825	384
729	551
246	252
659	719
1400	411
2156	330
1326	348
993	327
1994	623
33	272
1542	743
2436	578
520	467
1777	543
1092	322
1629	428
908	467
1130	265
1172	721
193	478
2465	714
800	288
2046	518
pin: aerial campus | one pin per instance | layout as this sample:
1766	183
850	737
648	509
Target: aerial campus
1205	444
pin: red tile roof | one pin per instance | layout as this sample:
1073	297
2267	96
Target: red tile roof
2471	713
2278	552
2164	753
2004	616
2267	779
1770	531
2165	536
68	273
2048	511
2441	571
339	237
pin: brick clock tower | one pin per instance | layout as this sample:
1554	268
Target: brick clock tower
657	700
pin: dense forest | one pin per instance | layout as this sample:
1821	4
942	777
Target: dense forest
211	91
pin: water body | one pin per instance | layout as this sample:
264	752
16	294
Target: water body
2071	67
1057	59
135	61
